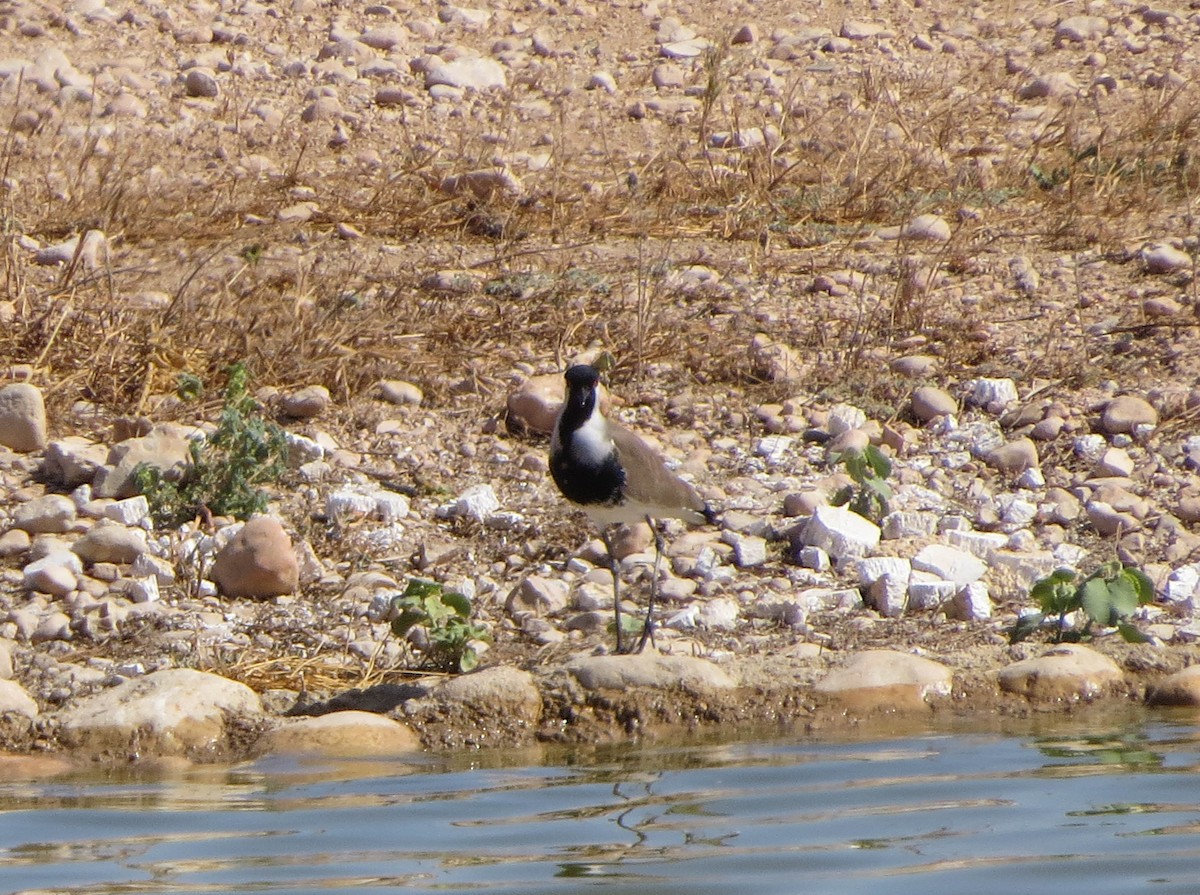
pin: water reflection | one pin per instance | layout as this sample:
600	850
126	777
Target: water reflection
1089	805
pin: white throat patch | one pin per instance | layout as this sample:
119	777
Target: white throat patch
591	443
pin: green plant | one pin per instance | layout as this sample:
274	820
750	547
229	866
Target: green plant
226	469
1108	597
870	494
446	617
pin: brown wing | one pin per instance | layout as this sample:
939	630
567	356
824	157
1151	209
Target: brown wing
648	480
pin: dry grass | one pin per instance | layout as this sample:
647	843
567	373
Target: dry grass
582	257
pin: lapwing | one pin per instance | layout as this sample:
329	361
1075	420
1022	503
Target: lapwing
616	478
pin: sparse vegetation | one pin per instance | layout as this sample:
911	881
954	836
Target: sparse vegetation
1107	597
246	451
448	636
870	495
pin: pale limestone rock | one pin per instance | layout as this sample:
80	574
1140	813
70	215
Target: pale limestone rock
649	670
886	679
342	735
175	712
1067	672
22	417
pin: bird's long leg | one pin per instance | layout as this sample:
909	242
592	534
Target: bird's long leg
648	627
613	566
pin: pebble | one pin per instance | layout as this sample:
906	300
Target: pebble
343	734
201	82
397	391
1163	258
1125	412
306	403
467	73
929	402
949	564
1080	29
928	227
110	541
259	561
22	417
533	406
1014	456
841	533
53	513
56	573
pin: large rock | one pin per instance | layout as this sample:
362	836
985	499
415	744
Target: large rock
173	712
1180	688
14	700
109	541
74	460
258	561
533	406
22	417
164	448
841	533
342	734
1067	672
498	690
648	670
885	680
50	514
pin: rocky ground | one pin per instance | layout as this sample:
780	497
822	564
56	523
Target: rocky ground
963	234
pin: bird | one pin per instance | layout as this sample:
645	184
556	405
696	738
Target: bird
617	479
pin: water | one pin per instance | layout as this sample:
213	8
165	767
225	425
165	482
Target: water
1064	807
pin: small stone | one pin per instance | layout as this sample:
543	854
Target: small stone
914	366
1164	258
467	73
56	573
1059	83
601	80
1080	29
993	392
110	541
1115	462
306	403
344	734
1110	522
51	514
16	700
164	449
1013	457
949	564
483	184
929	402
748	551
1125	412
73	460
258	561
926	227
841	533
22	417
397	391
1179	689
542	596
14	542
201	82
971	602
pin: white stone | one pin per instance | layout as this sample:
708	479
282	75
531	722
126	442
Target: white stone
131	511
841	533
949	563
773	447
1023	568
930	594
844	417
908	524
889	594
978	543
720	614
870	569
993	391
467	72
972	602
14	699
143	590
56	573
52	513
813	558
748	551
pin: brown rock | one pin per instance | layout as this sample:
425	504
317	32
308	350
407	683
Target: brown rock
343	734
1124	412
22	417
886	679
1068	671
929	402
1016	456
1181	688
259	561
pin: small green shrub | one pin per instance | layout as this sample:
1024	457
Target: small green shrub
870	495
245	451
446	617
1108	597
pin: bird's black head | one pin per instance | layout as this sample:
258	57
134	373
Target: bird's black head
582	376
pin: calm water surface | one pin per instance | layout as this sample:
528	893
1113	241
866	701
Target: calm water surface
1067	807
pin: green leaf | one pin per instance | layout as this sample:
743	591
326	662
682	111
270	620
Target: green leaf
878	462
422	588
1055	593
1142	584
468	660
842	497
1096	598
1123	596
407	619
458	602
